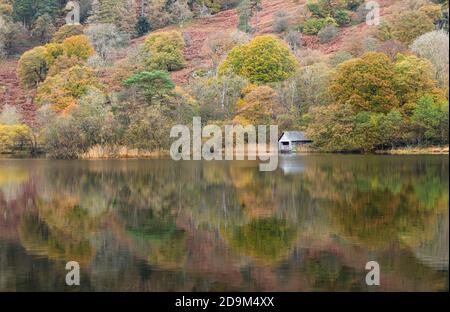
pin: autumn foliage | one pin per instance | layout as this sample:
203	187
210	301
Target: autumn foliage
258	107
264	60
34	65
375	83
63	90
165	51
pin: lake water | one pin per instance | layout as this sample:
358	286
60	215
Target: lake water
160	225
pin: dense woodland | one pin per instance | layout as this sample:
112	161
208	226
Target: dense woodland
133	69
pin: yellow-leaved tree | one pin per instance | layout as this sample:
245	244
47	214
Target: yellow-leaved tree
264	60
63	90
13	137
366	83
78	46
36	64
32	68
258	107
165	51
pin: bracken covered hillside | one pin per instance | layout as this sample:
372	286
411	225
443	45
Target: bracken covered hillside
201	29
356	76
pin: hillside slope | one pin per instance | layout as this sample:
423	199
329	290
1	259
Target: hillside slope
12	93
196	53
199	30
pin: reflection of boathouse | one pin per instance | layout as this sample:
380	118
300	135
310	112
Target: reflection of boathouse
292	164
292	141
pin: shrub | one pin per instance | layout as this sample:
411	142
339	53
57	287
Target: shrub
331	128
26	11
62	91
434	46
149	133
150	85
9	34
353	4
44	29
281	22
32	67
342	17
36	64
340	57
62	63
67	31
13	137
339	128
320	8
359	44
413	78
391	48
244	11
416	4
107	39
217	96
384	32
78	46
327	34
314	8
365	83
430	120
165	50
308	57
118	12
91	115
263	60
63	139
52	52
312	26
410	25
293	39
258	107
308	87
433	11
325	8
142	26
370	44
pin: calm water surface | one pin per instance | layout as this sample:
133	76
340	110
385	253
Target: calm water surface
159	225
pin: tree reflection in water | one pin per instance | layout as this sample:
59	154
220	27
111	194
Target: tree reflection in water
159	225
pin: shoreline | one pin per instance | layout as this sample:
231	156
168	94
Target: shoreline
125	153
411	150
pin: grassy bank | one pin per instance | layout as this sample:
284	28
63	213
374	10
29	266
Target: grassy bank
417	150
99	152
123	152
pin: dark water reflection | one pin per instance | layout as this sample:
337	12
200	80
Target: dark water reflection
158	225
